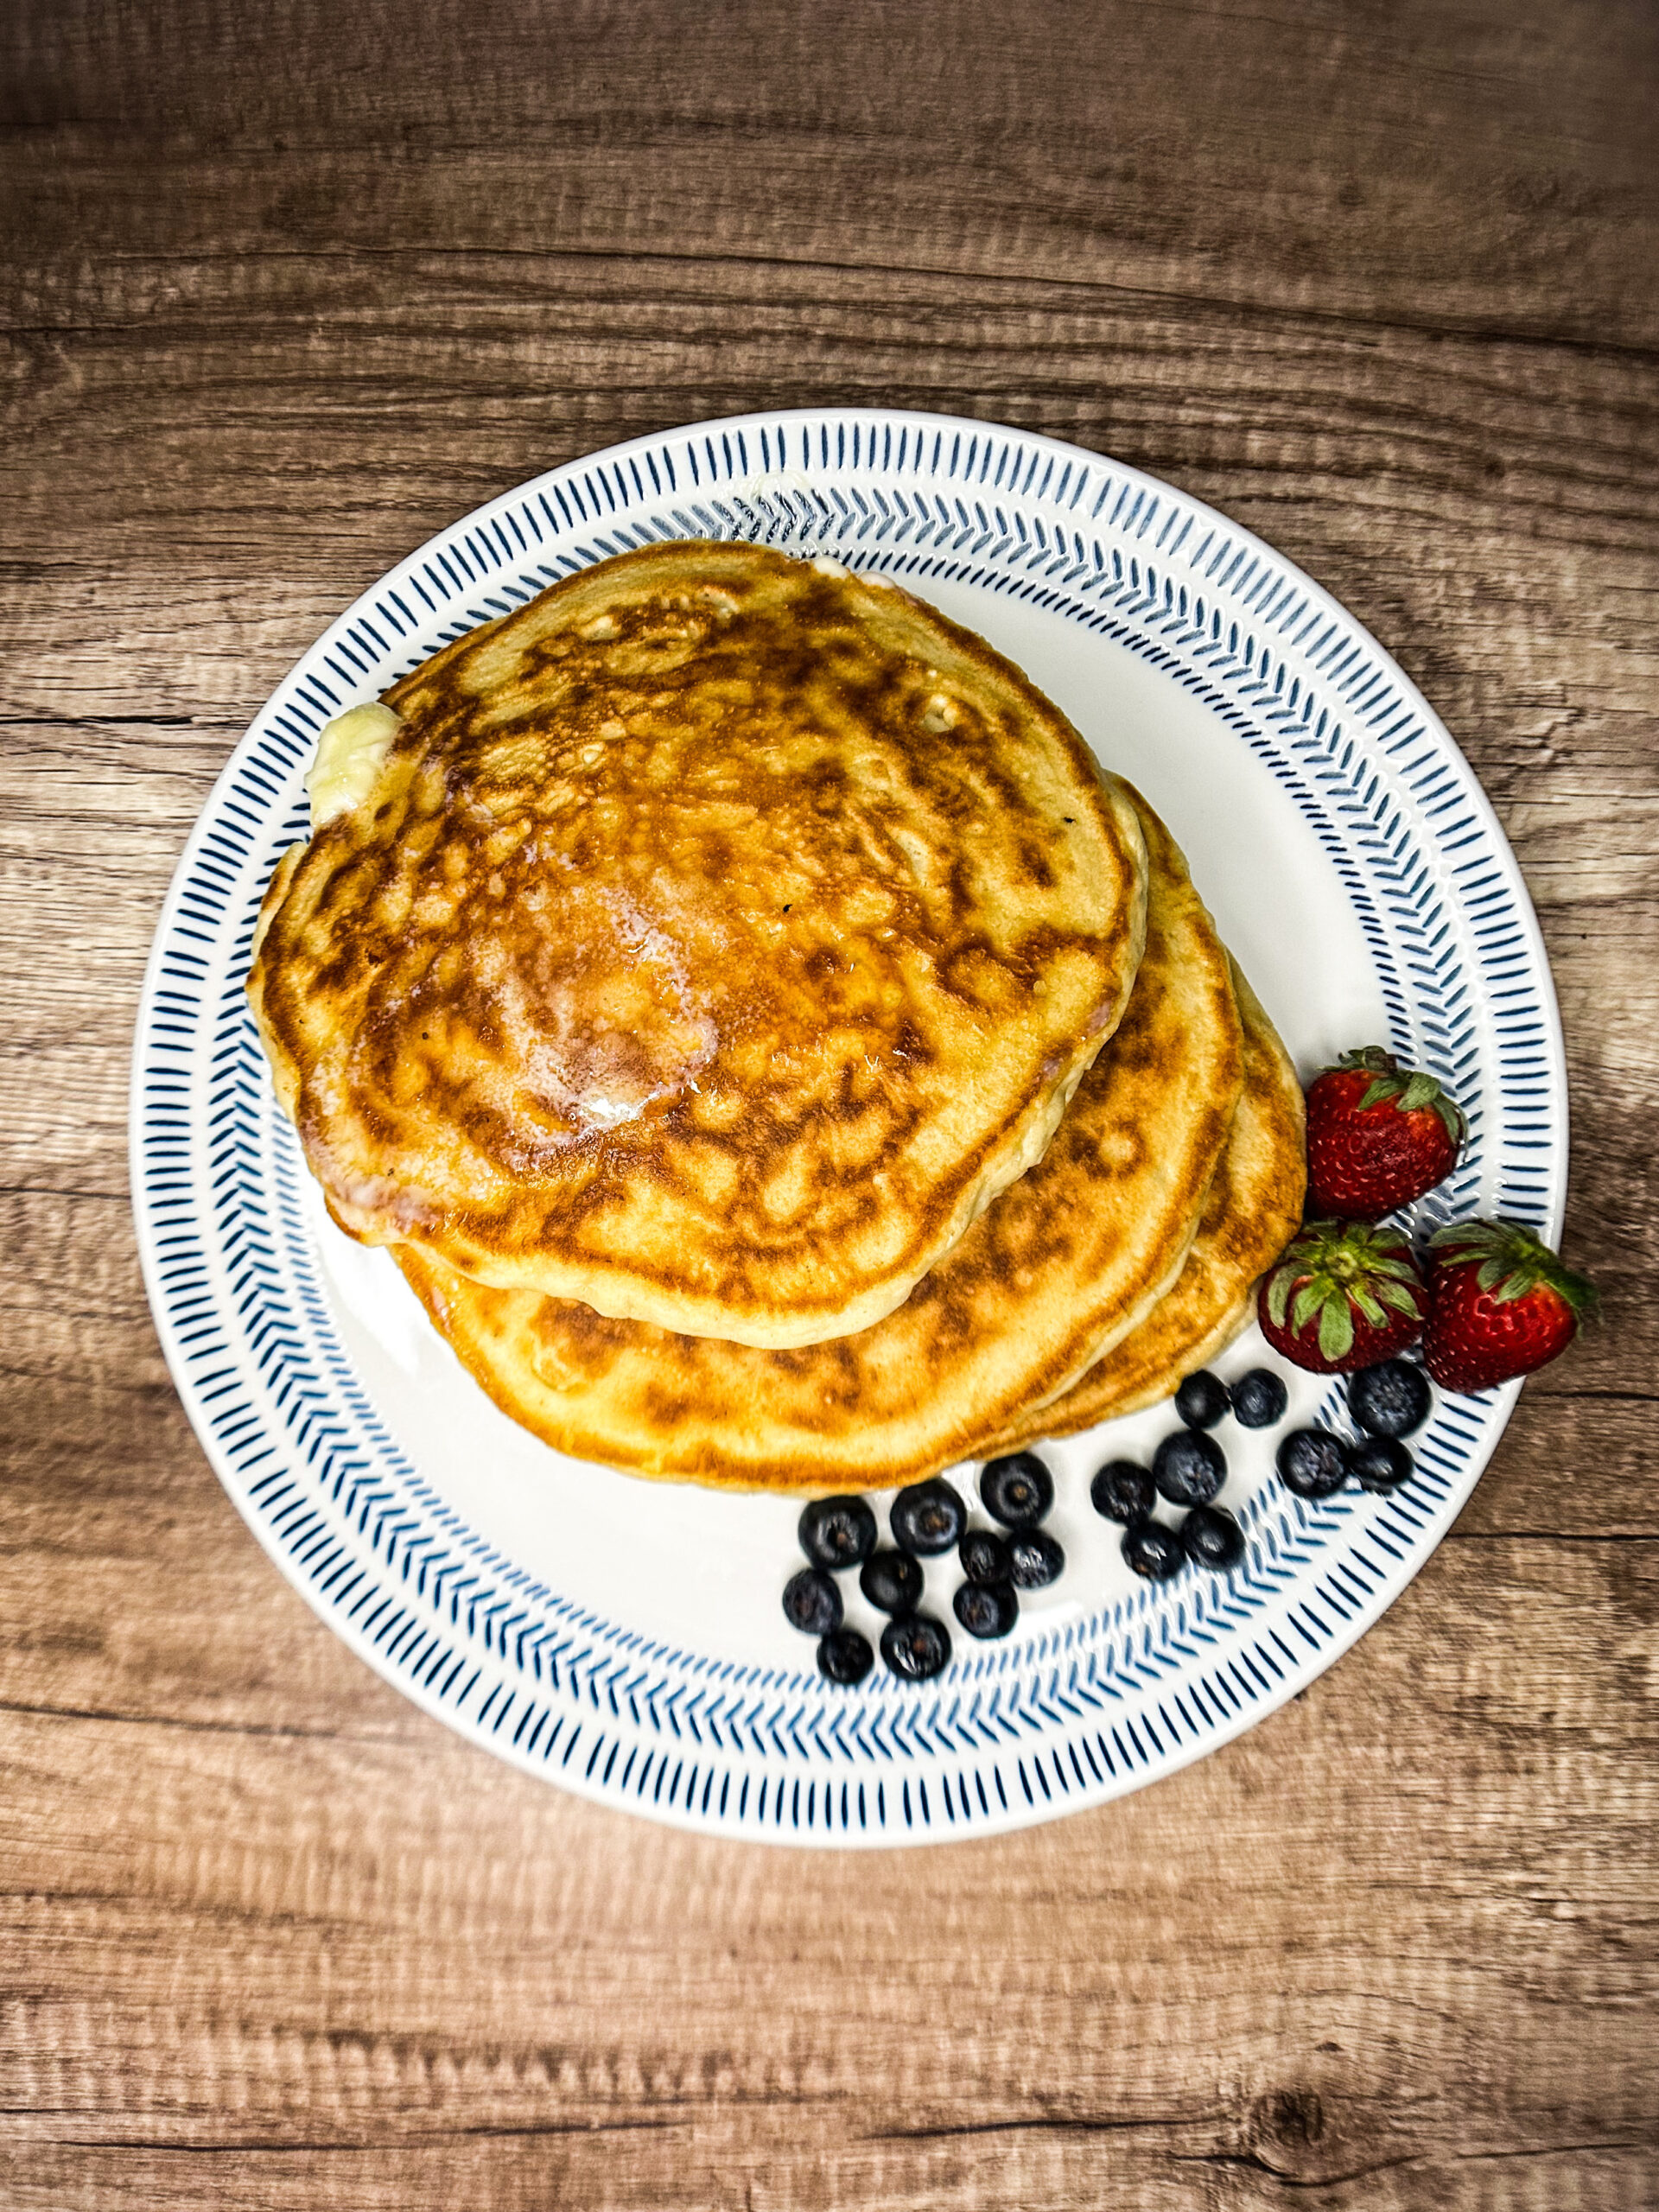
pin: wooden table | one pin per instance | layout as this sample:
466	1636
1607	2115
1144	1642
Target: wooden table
284	289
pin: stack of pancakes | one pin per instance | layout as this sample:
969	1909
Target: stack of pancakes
774	1051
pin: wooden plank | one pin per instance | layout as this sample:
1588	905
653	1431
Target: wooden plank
1439	166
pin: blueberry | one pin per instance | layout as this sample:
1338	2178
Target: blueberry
1202	1400
1017	1490
1189	1469
1259	1399
1311	1463
926	1518
892	1581
916	1646
986	1609
1212	1538
1038	1560
837	1531
1153	1550
1122	1491
812	1603
1390	1400
845	1656
985	1557
1378	1462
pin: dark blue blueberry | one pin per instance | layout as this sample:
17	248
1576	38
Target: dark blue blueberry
986	1609
1189	1469
1259	1398
811	1602
916	1646
1309	1462
1123	1491
1202	1400
985	1557
1389	1399
892	1581
846	1656
1213	1538
837	1532
1153	1550
1038	1559
1017	1490
926	1518
1378	1462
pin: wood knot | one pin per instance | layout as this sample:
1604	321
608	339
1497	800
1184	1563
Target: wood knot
1293	2119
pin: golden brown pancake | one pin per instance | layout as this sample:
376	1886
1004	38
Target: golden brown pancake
1066	1260
1253	1211
711	941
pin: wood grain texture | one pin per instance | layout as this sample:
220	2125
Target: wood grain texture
284	289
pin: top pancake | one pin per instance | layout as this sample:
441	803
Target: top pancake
1061	1266
718	936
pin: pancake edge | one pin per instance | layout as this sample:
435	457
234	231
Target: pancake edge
1088	1403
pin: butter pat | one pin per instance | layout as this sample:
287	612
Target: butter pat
350	752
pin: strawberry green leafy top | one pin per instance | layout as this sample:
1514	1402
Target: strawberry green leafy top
1337	1269
1513	1261
1408	1087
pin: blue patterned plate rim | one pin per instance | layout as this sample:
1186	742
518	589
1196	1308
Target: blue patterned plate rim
1104	1703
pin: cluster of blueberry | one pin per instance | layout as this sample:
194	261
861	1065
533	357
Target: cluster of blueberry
1387	1402
1187	1469
926	1520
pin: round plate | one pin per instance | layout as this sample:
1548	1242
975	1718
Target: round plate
624	1638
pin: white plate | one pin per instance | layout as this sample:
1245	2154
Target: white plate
625	1639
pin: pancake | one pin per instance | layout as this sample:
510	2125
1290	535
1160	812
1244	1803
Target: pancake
1253	1210
709	940
1067	1260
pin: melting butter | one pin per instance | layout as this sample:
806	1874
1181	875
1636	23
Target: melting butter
349	755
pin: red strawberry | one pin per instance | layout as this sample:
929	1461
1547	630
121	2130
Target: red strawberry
1502	1304
1378	1136
1342	1295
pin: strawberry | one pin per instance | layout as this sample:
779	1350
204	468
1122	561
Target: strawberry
1378	1136
1501	1304
1342	1295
